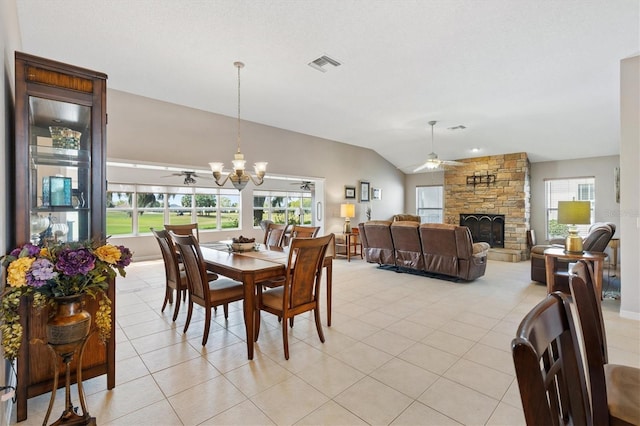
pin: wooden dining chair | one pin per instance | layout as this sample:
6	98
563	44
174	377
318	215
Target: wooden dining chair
301	290
299	231
274	234
175	278
615	389
548	364
207	294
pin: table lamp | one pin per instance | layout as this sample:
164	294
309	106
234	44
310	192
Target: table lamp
574	213
347	211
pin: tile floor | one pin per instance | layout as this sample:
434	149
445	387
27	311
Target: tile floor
402	350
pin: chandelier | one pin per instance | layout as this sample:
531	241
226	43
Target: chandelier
238	177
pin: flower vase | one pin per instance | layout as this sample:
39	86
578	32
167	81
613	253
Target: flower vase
70	324
67	332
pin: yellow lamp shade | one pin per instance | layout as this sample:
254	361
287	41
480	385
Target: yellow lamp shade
347	210
574	212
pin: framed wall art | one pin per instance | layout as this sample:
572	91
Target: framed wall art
376	194
349	192
364	191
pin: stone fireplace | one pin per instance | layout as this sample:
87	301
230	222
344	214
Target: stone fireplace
493	186
488	228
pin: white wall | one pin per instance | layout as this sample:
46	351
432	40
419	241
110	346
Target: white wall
601	168
411	181
148	130
630	186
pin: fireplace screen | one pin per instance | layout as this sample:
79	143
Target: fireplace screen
488	228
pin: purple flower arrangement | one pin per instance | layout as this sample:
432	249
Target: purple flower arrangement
64	269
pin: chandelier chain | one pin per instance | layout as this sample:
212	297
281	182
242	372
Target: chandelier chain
239	65
239	177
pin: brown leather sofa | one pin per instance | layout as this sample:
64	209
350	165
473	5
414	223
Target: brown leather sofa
405	217
596	240
432	248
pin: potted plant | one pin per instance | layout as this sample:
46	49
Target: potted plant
57	274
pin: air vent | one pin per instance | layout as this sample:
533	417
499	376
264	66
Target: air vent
323	61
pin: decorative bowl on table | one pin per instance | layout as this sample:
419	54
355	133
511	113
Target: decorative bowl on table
243	244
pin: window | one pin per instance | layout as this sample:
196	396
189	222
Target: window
133	209
283	207
120	210
150	206
581	189
430	204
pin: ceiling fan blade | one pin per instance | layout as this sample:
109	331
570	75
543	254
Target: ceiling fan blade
451	163
424	166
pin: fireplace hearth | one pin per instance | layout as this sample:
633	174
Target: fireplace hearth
485	227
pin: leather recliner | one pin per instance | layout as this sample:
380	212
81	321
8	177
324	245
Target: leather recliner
406	242
596	241
377	242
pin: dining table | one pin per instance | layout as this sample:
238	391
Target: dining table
252	267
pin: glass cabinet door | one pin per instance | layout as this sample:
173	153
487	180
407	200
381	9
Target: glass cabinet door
60	171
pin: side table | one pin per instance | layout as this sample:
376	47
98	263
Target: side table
614	244
551	255
350	240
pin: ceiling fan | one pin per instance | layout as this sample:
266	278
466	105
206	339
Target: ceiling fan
188	176
305	185
433	162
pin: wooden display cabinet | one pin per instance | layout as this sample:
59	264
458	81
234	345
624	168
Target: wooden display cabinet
58	191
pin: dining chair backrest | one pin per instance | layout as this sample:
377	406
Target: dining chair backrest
274	234
587	303
614	388
593	336
548	365
175	280
299	231
264	224
194	267
185	229
305	263
168	250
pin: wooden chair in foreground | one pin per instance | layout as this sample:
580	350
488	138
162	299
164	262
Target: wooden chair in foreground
549	367
615	389
176	279
301	290
207	294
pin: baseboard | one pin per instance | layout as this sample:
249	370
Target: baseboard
630	315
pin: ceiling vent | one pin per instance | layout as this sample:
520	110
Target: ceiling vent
323	61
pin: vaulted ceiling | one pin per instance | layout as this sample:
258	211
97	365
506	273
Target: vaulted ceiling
539	76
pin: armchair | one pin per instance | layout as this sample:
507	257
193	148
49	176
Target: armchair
596	241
